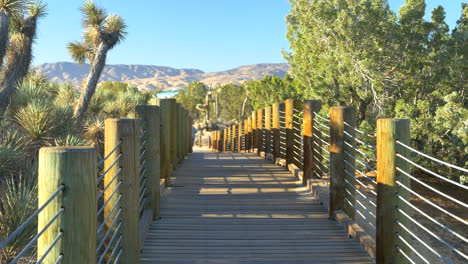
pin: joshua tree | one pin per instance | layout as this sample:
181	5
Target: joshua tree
19	52
102	33
8	8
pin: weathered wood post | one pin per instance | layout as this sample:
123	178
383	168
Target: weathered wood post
289	115
165	141
388	132
127	133
173	135
249	134
310	107
225	144
150	115
275	129
246	137
254	132
234	137
190	138
75	169
338	177
268	143
240	134
282	131
260	131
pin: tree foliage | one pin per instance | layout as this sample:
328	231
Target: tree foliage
359	53
193	97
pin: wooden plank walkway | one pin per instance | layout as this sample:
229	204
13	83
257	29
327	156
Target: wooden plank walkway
239	208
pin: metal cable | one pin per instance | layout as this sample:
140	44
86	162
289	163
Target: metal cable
368	210
321	117
359	131
118	257
322	125
111	213
432	219
360	193
101	193
433	235
321	132
360	172
359	141
431	172
114	235
59	259
431	203
359	212
114	221
432	188
359	182
117	244
101	162
412	248
431	158
359	161
31	218
323	141
46	253
360	152
404	255
110	197
99	179
36	237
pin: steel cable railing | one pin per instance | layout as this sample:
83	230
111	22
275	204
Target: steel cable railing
282	134
25	253
361	187
143	171
109	196
298	139
439	225
320	138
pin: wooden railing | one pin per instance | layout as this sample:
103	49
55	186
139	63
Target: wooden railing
84	218
367	177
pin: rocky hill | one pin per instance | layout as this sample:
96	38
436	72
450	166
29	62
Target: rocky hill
166	78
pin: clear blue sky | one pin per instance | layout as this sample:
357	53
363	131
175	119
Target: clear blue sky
210	35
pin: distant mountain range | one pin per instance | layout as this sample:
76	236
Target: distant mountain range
149	77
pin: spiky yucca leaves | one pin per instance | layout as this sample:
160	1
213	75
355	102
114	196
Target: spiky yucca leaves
19	53
65	95
13	152
102	33
28	92
43	122
8	8
70	141
124	104
94	133
17	193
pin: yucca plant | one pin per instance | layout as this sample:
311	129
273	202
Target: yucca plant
28	92
102	33
18	201
19	53
70	141
13	151
65	95
124	104
8	8
41	122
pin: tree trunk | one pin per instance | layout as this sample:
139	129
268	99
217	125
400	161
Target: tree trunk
97	65
243	107
19	59
4	34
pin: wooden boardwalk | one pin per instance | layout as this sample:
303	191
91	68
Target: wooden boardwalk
239	208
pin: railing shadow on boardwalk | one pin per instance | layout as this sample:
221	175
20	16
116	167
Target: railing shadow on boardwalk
239	208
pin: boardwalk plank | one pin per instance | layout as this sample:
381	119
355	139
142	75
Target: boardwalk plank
239	208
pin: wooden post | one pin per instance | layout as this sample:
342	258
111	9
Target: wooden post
234	138
126	131
152	124
260	131
275	129
254	132
388	132
289	115
165	110
310	107
191	140
240	134
225	140
267	129
249	134
75	168
339	115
